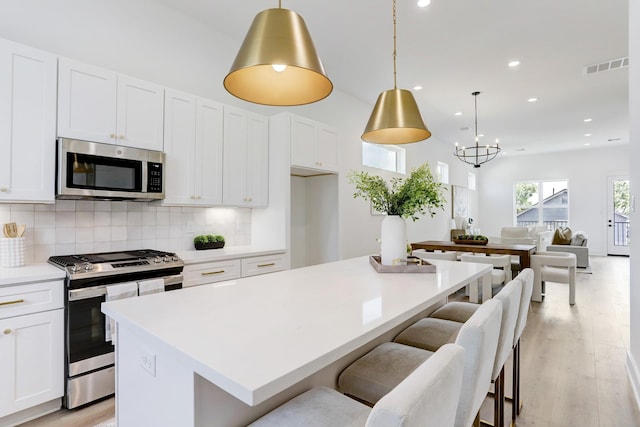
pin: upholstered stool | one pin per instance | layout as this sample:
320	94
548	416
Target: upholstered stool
379	371
428	397
421	335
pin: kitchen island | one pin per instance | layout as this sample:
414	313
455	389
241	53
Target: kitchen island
226	353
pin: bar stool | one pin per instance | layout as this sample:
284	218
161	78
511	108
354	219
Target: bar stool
428	397
501	273
376	373
462	311
426	333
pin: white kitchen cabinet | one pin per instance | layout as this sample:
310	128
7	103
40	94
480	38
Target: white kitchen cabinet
246	158
211	272
193	148
27	124
99	105
313	144
254	266
31	346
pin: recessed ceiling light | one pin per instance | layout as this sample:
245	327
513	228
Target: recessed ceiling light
587	134
514	64
587	144
424	3
587	120
459	113
532	99
418	87
480	135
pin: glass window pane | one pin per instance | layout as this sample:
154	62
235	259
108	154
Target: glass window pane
383	157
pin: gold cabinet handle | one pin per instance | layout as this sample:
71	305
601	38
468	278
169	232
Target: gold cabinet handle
113	136
209	273
267	265
7	331
4	190
18	301
122	137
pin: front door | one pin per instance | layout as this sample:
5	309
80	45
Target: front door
619	209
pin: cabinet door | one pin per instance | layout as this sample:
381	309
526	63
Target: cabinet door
208	152
140	114
179	148
303	142
27	123
257	175
235	154
327	148
31	360
86	102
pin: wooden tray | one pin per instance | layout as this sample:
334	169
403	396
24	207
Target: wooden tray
411	267
470	242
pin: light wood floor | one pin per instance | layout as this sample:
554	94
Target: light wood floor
572	358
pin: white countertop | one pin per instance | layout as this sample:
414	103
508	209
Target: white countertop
256	336
30	273
228	252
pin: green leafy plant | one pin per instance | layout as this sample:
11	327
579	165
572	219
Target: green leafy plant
419	193
209	238
472	237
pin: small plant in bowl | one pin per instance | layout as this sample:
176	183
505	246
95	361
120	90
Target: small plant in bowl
474	239
208	241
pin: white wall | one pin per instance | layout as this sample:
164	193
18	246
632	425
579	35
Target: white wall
633	362
586	171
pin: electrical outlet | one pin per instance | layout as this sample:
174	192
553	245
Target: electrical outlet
148	362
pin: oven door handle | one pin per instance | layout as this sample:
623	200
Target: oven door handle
98	291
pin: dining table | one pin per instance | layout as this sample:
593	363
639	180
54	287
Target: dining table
520	250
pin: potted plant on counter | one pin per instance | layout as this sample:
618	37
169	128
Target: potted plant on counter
419	193
208	241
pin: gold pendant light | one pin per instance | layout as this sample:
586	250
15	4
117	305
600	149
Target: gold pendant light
277	63
395	118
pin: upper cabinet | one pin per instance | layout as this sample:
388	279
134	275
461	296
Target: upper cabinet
246	158
98	105
193	148
313	144
27	123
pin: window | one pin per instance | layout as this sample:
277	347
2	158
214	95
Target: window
542	203
385	157
442	173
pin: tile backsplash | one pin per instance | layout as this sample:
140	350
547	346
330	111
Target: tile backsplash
75	227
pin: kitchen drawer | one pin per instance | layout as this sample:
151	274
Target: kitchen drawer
210	272
263	264
31	298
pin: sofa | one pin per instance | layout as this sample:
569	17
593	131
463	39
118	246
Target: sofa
577	245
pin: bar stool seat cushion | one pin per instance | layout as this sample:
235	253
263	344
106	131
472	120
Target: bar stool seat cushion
456	311
362	378
318	407
429	334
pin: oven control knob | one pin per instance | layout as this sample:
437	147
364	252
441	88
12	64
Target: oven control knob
87	266
157	260
167	258
74	268
175	258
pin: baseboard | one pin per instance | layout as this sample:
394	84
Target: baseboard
634	377
31	413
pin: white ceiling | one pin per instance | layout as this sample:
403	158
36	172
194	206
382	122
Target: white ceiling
454	47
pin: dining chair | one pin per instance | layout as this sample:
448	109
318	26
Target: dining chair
446	255
501	273
431	332
427	397
558	267
372	376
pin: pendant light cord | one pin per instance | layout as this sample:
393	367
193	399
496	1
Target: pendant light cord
395	53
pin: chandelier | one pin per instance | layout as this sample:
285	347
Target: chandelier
476	155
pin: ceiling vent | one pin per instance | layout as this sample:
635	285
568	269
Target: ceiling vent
614	64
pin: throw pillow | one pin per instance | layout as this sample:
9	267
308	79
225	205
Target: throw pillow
578	240
562	236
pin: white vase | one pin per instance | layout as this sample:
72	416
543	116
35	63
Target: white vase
393	244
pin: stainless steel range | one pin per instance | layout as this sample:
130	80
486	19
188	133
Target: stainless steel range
91	278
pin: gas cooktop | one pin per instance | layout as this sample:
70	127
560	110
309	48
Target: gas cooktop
110	263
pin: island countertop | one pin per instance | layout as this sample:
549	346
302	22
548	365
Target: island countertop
256	336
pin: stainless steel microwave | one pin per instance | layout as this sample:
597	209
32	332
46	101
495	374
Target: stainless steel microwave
89	170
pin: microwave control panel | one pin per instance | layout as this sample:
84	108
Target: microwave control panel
154	177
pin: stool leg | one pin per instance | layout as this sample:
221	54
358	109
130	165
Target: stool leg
514	384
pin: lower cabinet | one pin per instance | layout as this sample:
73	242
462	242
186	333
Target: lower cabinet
210	272
31	360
